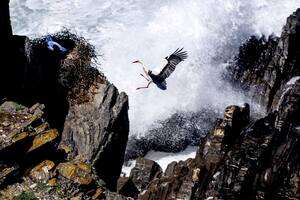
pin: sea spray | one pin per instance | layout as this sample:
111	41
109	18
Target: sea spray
210	30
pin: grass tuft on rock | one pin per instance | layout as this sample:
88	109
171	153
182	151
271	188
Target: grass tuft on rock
26	196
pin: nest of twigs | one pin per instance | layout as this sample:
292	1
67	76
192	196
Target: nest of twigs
77	70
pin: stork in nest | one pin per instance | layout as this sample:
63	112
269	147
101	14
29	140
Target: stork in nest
160	78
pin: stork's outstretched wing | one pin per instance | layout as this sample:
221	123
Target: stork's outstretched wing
173	60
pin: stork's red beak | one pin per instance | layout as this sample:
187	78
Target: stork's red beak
135	61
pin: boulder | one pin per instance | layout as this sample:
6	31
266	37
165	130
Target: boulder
77	172
178	184
144	172
41	172
43	138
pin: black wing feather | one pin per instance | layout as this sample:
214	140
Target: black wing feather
173	60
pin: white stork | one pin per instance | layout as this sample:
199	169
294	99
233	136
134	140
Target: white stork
160	78
52	45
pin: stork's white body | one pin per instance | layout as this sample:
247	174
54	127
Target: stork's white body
164	70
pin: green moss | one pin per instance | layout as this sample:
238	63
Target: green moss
20	107
58	190
26	196
101	183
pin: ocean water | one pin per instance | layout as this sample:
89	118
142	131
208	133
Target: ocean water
162	158
123	31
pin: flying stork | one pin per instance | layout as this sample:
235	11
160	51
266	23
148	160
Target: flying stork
160	78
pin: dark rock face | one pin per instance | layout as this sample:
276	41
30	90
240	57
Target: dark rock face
127	188
241	163
6	31
216	145
284	161
264	66
97	131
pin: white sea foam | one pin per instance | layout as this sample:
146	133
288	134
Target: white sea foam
210	30
163	158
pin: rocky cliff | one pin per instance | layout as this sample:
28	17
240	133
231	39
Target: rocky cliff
265	65
71	143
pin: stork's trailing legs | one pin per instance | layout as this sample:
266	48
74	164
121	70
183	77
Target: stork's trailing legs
149	82
145	77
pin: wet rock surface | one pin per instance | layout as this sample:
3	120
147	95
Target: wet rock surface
264	66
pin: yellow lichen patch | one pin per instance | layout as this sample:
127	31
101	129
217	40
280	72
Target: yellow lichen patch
67	170
41	171
52	182
20	136
219	132
84	167
229	112
66	148
79	173
43	138
35	106
32	119
53	173
84	179
97	194
41	128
